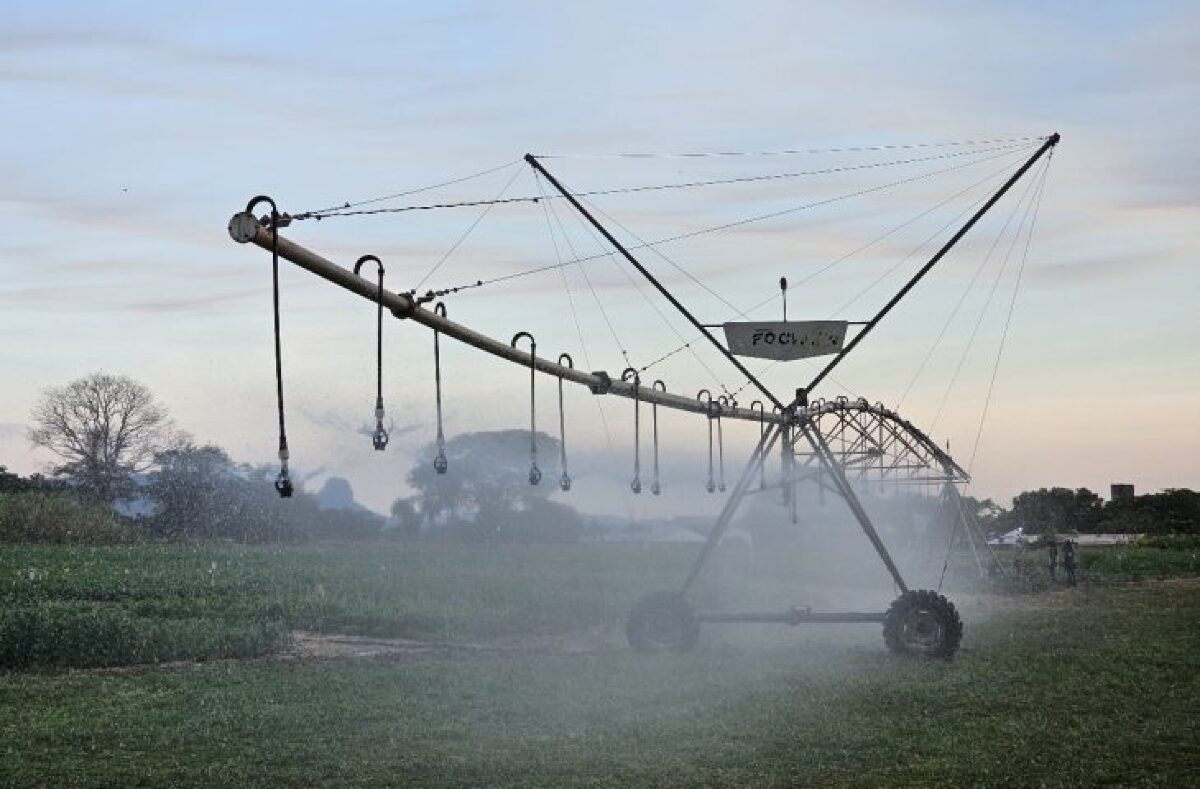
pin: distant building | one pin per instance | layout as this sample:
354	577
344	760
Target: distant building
1122	491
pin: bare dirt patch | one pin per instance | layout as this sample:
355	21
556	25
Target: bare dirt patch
325	646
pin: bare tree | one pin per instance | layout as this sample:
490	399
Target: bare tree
105	428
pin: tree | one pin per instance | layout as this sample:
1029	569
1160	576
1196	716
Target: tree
104	428
11	483
1048	511
406	518
199	493
1172	511
486	494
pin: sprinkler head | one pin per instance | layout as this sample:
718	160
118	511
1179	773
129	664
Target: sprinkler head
656	489
636	485
379	439
564	482
535	474
710	487
440	464
283	484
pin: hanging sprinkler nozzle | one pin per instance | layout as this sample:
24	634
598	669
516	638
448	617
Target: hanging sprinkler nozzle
564	481
655	486
631	375
379	439
440	464
535	473
283	483
706	397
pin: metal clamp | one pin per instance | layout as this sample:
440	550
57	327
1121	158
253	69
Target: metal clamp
603	386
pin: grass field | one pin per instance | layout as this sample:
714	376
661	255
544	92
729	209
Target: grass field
1099	684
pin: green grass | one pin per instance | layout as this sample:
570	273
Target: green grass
1136	563
1097	685
59	517
113	605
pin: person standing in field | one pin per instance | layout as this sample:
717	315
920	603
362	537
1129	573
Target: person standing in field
1053	559
1069	561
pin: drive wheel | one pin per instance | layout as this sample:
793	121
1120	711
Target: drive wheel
662	622
922	622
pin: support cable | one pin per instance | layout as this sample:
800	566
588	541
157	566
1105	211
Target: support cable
738	223
828	266
611	239
1050	142
1011	307
579	334
841	310
322	212
643	244
991	295
961	300
550	211
786	151
470	228
653	306
346	209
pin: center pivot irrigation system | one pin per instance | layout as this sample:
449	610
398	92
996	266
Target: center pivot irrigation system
831	443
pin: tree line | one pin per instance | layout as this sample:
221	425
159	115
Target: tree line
1058	510
114	442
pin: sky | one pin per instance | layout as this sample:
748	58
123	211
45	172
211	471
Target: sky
133	131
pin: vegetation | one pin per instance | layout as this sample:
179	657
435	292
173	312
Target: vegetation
1093	686
164	595
1139	563
1050	510
104	429
58	516
488	497
199	493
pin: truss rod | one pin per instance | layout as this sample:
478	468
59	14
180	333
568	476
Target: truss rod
404	307
1050	142
837	472
625	253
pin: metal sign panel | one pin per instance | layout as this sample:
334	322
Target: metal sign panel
784	341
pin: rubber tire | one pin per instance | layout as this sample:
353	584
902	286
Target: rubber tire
936	631
662	622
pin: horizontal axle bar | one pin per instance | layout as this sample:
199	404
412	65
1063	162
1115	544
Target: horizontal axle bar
793	616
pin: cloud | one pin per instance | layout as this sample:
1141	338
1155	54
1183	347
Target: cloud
1134	264
48	44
